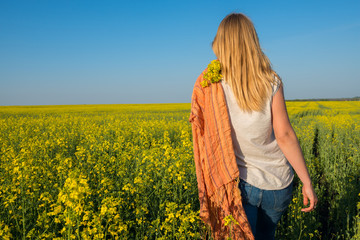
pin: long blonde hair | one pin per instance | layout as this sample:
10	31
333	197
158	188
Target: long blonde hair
243	64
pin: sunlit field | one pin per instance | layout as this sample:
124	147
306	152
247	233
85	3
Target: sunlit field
127	172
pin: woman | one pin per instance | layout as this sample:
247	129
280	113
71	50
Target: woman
265	146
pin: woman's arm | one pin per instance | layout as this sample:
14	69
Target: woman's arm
289	145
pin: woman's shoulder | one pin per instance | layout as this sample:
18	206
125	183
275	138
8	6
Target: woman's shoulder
276	83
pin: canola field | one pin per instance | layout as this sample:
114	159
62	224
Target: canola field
127	172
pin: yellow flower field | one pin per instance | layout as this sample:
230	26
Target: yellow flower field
127	172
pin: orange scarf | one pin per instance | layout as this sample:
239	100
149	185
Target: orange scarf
216	169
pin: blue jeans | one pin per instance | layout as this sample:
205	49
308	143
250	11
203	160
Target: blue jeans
264	208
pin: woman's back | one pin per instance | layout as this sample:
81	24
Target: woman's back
259	158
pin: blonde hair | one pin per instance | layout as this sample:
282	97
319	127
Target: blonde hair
243	64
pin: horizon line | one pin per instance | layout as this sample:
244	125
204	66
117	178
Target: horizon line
357	98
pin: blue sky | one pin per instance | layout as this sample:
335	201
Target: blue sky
108	52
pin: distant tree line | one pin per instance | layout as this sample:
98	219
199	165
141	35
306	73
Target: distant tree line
327	99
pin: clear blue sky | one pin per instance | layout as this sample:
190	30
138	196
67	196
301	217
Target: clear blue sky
107	52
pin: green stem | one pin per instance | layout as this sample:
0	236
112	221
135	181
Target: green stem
301	230
23	210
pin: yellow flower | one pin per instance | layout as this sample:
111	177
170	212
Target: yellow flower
204	83
229	219
212	74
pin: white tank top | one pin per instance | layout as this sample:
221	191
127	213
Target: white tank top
259	158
